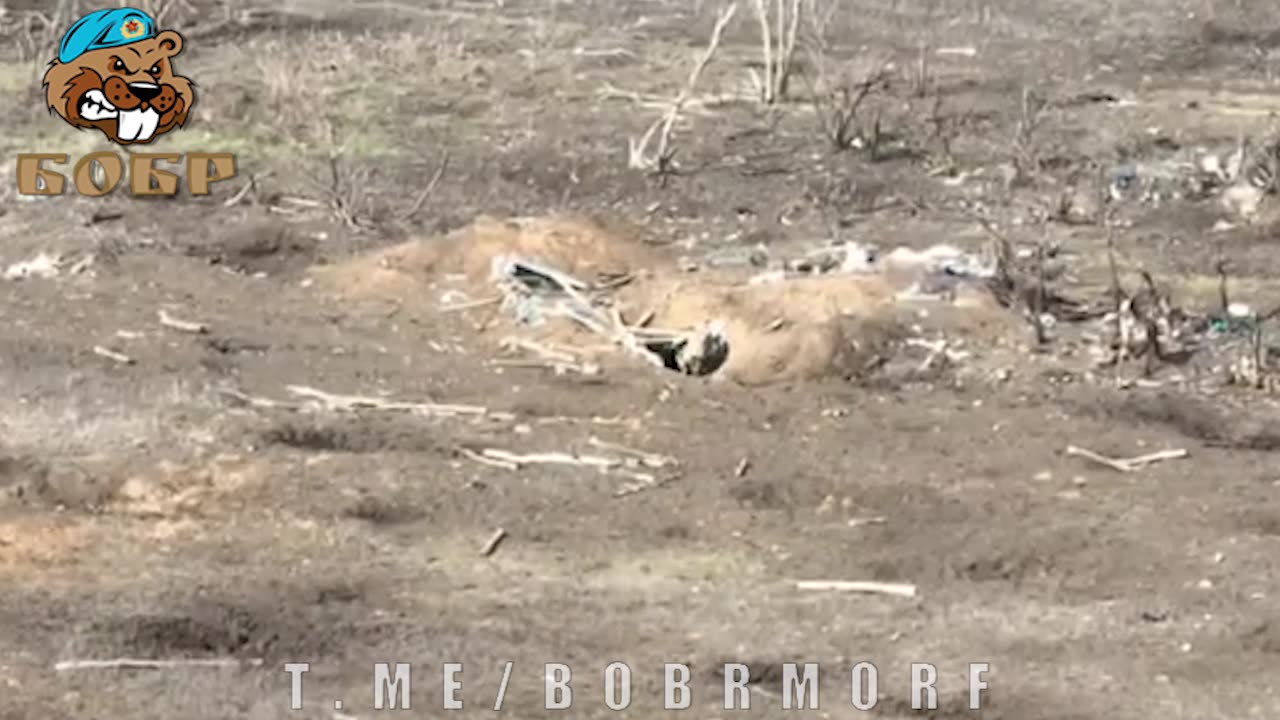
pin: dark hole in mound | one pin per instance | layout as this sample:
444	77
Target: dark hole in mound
692	356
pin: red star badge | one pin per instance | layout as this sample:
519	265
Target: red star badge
132	29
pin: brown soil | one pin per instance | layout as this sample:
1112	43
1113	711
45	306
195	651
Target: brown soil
192	504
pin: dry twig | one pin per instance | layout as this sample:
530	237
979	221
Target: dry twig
661	161
1126	464
249	187
860	586
348	403
254	401
169	321
471	305
112	355
492	544
142	664
413	209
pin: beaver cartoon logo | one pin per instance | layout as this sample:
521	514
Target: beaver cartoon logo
114	73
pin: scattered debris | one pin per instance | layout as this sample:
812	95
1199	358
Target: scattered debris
483	460
42	266
140	664
471	305
861	522
558	361
182	325
559	368
859	586
1126	464
647	459
535	291
112	355
492	544
641	484
250	185
349	403
626	462
257	402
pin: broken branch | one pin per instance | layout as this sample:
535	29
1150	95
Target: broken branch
1126	464
169	321
140	664
860	586
347	403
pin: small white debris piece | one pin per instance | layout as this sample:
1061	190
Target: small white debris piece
1243	200
1210	164
859	586
43	265
938	259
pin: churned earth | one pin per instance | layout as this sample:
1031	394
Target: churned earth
186	475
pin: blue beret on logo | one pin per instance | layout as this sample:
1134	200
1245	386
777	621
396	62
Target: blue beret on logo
105	29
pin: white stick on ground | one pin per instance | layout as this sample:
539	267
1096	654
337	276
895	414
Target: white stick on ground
646	458
492	462
471	305
551	458
253	401
169	321
861	586
112	355
492	544
355	402
1126	465
142	664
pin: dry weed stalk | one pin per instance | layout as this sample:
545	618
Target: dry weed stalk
777	46
1026	157
944	128
838	106
37	33
920	80
351	194
838	97
1146	324
660	161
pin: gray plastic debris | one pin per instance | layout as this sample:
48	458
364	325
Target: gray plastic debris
534	291
534	276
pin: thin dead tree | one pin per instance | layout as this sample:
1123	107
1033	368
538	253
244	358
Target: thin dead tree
660	161
778	46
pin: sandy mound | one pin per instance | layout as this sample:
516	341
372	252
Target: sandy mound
576	245
778	330
794	330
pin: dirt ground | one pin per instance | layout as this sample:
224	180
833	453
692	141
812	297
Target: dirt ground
153	509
